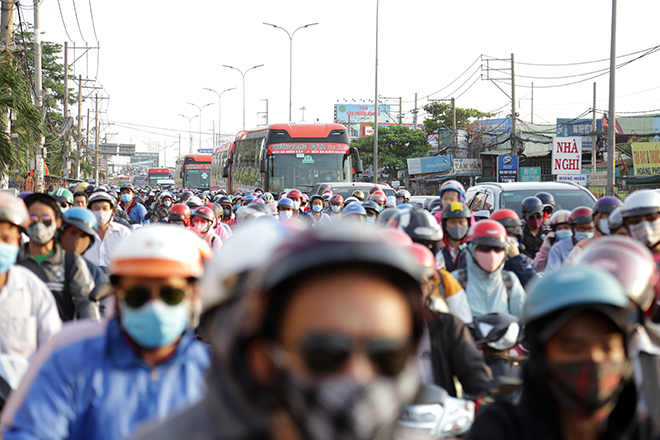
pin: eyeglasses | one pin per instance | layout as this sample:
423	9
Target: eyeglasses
640	218
325	353
46	220
139	296
548	209
535	216
489	249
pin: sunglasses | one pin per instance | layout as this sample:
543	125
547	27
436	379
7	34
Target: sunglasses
46	220
640	218
534	216
325	353
548	209
490	249
139	296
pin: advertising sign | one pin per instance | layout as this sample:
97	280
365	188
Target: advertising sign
578	127
206	151
599	178
646	158
507	168
580	179
566	155
467	167
431	164
294	148
361	113
530	174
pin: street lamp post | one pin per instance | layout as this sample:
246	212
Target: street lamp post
243	75
189	131
290	55
219	110
200	121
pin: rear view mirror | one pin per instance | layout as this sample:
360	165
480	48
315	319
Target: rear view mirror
358	166
225	171
263	166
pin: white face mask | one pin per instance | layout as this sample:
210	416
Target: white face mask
286	215
604	226
102	217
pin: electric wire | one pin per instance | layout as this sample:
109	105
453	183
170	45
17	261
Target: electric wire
62	15
448	85
583	62
75	10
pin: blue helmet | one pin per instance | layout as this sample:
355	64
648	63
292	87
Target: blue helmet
453	185
81	218
354	208
285	202
607	204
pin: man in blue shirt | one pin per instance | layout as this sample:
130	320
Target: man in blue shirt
582	225
136	211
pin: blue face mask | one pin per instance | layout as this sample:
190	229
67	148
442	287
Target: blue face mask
579	236
155	324
126	198
8	254
335	208
564	234
317	208
296	206
370	221
380	207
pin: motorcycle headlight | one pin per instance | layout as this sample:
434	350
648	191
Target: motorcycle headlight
509	339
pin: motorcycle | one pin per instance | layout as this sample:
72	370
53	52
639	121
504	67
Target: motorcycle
434	415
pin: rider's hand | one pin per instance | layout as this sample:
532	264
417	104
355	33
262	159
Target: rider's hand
512	250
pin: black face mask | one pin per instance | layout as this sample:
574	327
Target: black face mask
226	214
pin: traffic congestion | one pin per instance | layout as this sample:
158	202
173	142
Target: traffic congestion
153	313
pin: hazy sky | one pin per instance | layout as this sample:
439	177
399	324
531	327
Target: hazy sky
156	56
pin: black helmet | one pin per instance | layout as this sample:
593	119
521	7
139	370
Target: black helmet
371	206
386	215
455	210
607	204
546	198
531	205
127	186
50	189
420	225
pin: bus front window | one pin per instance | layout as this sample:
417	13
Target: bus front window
303	171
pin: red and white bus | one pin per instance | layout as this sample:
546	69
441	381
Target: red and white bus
155	175
193	171
284	156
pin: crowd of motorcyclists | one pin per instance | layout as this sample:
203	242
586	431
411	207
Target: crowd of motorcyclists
206	315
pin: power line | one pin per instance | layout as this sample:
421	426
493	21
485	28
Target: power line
448	85
583	62
62	15
91	13
75	10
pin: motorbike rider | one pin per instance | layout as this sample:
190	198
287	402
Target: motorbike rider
335	205
582	226
616	224
641	216
358	194
373	211
64	197
65	273
379	198
163	209
296	197
533	232
316	214
142	365
179	215
548	201
354	213
456	221
285	207
402	196
516	261
577	383
202	220
227	213
560	229
109	232
136	211
80	199
489	288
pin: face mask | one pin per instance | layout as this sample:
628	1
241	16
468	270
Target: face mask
201	226
646	232
563	234
604	226
167	203
126	198
296	206
286	215
381	207
8	254
534	223
317	208
338	408
370	221
579	236
64	209
399	202
457	232
335	208
489	261
515	241
40	233
155	324
586	387
102	217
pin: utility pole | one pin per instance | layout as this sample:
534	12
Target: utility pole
514	143
96	146
65	143
267	111
594	138
611	129
303	108
78	139
38	91
179	145
415	113
87	140
532	103
453	129
7	36
375	165
400	110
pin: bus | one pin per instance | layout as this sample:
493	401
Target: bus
280	157
218	161
155	175
193	171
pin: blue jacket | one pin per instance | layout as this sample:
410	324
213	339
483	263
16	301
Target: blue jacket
98	388
136	213
523	267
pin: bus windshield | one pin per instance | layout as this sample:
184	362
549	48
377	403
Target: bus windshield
197	178
302	171
155	177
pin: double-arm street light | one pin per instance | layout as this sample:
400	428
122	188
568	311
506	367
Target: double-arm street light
290	55
243	75
219	110
189	131
200	121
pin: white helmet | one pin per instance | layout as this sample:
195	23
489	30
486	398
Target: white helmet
641	202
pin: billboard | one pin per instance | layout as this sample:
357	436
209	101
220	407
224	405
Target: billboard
117	149
430	164
646	158
530	174
567	155
507	168
467	167
578	127
361	113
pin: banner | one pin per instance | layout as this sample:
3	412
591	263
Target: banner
431	164
304	148
646	158
467	167
507	168
530	174
580	179
566	155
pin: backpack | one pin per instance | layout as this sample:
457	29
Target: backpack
508	283
69	262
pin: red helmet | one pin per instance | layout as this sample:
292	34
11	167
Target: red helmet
337	199
294	193
180	212
423	256
204	212
581	215
508	217
487	233
377	197
396	236
374	189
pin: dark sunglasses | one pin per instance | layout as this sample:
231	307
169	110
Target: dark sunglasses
139	296
46	220
548	209
534	216
490	249
640	218
325	353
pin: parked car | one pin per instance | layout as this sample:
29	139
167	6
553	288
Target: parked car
491	196
423	200
345	189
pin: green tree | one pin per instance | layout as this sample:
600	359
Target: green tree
396	143
440	117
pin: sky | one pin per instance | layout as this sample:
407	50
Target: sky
156	57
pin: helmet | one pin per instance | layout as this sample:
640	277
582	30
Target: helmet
249	199
247	215
455	210
377	197
350	200
205	213
179	212
371	206
510	220
424	257
354	209
13	211
420	225
218	210
576	287
82	219
403	193
641	202
50	188
127	186
435	206
166	194
629	261
294	193
374	189
390	201
607	204
546	198
223	200
337	199
316	196
89	189
327	194
258	201
615	220
454	185
186	195
531	205
160	251
257	189
63	195
82	186
100	196
358	195
386	215
560	217
267	197
487	233
285	202
194	202
581	215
